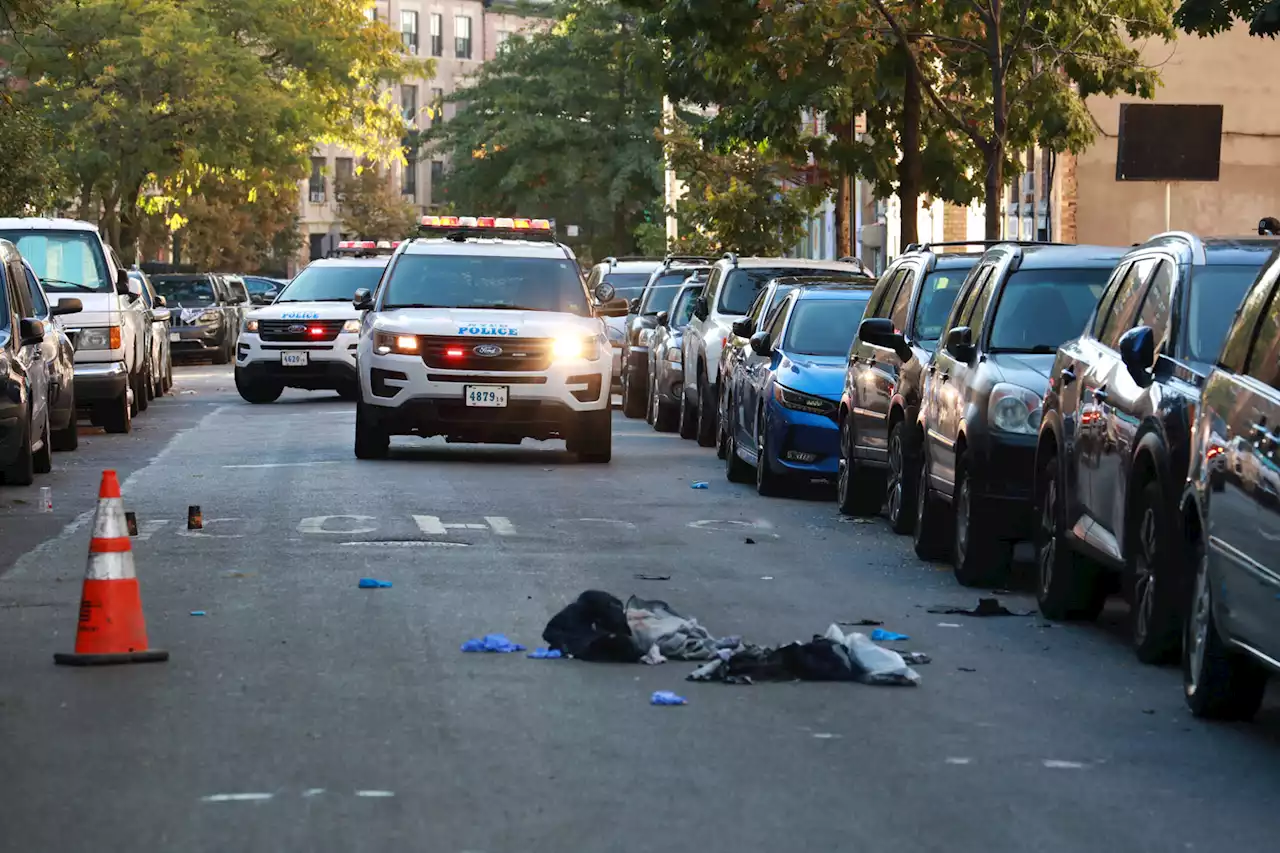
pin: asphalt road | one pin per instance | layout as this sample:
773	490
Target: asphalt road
302	713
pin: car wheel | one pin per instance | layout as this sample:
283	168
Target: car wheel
769	483
859	490
132	395
1068	587
42	459
651	404
931	538
257	392
150	377
978	557
632	402
688	417
223	354
665	415
1153	570
372	441
900	485
117	415
593	441
735	470
140	391
1217	682
21	471
349	391
68	438
708	413
722	422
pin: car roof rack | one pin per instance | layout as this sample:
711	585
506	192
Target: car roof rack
920	247
685	259
730	257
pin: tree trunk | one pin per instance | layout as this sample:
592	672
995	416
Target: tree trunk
130	226
109	223
86	198
994	153
910	167
844	231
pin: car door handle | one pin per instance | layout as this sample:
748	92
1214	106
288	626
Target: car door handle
944	376
933	369
1068	376
1100	395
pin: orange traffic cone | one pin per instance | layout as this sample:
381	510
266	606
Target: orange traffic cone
111	628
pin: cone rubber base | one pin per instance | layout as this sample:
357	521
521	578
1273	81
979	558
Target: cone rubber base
149	656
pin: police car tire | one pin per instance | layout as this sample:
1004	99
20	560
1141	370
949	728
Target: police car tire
371	442
258	392
594	439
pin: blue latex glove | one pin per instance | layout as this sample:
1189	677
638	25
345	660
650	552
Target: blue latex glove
666	697
700	485
545	654
880	635
370	583
492	643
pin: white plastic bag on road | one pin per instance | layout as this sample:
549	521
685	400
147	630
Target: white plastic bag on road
873	664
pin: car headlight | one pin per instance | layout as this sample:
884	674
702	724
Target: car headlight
674	355
615	336
1013	408
103	337
571	347
802	402
646	336
351	327
385	343
251	325
209	317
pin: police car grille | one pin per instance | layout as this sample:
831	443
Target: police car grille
516	353
298	330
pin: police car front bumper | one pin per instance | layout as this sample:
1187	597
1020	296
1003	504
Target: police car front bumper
328	365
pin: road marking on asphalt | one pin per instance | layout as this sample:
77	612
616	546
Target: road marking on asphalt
148	528
318	524
287	464
1054	764
313	792
948	625
431	525
202	535
236	798
626	524
408	543
824	735
959	760
375	793
501	525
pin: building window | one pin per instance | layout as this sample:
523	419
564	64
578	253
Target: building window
409	103
317	246
462	37
499	41
437	181
409	30
437	34
316	184
409	177
343	173
437	106
371	14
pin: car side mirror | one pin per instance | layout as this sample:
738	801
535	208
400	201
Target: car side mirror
700	308
30	331
760	344
743	328
604	293
122	283
633	307
879	332
663	319
959	343
161	302
66	306
363	299
1138	352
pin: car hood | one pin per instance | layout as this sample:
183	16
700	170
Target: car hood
822	376
485	323
306	311
1030	370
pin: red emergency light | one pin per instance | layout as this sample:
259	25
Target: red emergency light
453	352
316	331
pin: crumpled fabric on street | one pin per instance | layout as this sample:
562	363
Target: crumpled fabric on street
833	657
654	623
593	628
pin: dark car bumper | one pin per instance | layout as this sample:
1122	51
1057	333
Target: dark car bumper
537	419
100	381
316	376
1003	471
197	340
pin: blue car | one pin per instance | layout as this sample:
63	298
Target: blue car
783	399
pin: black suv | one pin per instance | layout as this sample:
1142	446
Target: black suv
983	391
1230	516
880	403
204	315
642	314
1115	441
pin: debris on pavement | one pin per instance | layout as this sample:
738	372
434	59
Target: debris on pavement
966	669
593	628
915	658
749	541
766	577
986	607
641	577
373	583
198	613
701	484
496	643
654	623
544	654
832	657
195	519
880	635
131	522
844	519
653	657
862	622
666	697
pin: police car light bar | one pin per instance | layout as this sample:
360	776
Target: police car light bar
488	226
367	247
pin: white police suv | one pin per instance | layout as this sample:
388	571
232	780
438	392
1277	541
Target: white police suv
307	337
482	330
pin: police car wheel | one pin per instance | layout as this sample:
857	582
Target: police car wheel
593	441
372	442
257	392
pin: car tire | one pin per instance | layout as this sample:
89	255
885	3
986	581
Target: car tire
665	415
735	470
931	537
149	376
708	413
132	396
140	392
372	441
223	354
593	441
977	556
632	403
1154	575
1068	586
21	471
349	392
1217	681
688	418
42	459
257	393
116	416
901	483
651	402
68	438
859	490
769	483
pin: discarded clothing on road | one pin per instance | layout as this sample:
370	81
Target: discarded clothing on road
497	643
654	623
832	657
986	607
593	628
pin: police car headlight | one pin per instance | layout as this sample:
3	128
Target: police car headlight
571	347
251	325
385	343
351	326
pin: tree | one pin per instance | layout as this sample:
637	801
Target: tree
371	208
1210	17
31	179
562	125
1010	74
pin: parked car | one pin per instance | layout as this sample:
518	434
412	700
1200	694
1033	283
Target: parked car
642	312
628	275
70	258
59	361
731	287
239	295
205	318
666	370
883	384
1229	517
1115	441
161	355
262	290
981	405
782	406
26	444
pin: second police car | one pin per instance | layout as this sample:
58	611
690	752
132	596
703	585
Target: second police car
483	330
307	337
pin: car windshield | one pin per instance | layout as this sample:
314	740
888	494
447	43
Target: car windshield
261	285
1040	309
1216	292
485	281
4	310
660	296
742	285
682	310
824	327
184	290
629	285
331	282
937	295
65	261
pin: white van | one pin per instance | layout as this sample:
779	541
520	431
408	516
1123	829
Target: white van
109	334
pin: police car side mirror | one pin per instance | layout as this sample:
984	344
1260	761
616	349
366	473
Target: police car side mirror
363	300
605	292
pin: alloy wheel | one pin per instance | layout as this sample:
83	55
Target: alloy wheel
1199	633
895	486
1049	535
1144	580
963	507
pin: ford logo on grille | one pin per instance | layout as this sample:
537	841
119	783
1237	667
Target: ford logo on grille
488	350
297	329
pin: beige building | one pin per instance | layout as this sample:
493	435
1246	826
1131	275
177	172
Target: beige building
459	35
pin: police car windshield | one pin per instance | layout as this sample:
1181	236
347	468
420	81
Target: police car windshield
331	282
485	281
185	291
64	261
